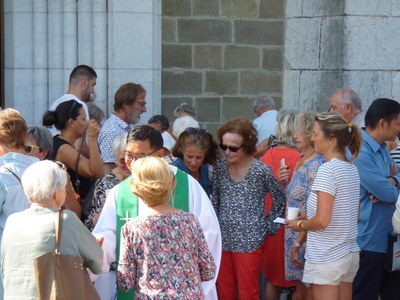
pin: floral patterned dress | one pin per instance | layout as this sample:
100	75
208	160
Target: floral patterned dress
164	257
297	193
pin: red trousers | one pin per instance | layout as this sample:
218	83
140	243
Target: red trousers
239	275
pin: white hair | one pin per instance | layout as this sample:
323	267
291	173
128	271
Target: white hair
181	123
41	179
118	144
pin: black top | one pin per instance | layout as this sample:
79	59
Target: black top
85	183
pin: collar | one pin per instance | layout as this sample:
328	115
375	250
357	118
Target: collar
117	120
371	142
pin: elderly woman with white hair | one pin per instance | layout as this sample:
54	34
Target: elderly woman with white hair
108	181
31	233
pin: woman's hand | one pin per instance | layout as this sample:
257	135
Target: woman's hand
293	224
93	128
294	257
283	175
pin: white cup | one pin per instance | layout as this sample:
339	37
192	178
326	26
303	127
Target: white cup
292	213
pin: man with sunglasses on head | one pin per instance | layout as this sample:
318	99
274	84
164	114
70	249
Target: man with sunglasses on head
129	104
121	205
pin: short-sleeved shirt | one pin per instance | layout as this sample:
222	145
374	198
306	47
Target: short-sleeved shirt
340	179
165	257
112	127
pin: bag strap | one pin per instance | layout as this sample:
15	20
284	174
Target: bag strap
77	181
58	230
15	175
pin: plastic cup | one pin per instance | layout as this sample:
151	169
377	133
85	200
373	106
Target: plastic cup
292	213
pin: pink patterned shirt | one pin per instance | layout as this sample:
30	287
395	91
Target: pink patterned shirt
164	257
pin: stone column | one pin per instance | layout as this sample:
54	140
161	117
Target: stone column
331	44
45	39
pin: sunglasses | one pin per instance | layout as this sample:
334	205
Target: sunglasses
60	165
232	149
30	148
72	107
193	131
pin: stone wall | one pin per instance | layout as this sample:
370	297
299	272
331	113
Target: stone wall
219	55
330	44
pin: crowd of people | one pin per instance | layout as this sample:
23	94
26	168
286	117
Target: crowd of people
166	210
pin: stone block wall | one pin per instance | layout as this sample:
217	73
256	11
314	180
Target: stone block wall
219	55
331	44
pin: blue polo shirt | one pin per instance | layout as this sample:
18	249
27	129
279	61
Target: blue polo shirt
373	164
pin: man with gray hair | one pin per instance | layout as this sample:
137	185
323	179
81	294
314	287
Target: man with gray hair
346	102
265	122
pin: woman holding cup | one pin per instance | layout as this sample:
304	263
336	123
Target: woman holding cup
297	193
285	155
332	253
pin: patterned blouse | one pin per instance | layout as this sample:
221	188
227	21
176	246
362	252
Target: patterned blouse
164	257
103	185
240	206
297	193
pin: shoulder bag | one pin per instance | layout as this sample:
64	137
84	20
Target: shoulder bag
62	277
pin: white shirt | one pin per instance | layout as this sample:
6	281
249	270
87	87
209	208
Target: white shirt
64	98
340	179
199	205
265	124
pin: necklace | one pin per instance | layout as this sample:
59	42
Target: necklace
303	160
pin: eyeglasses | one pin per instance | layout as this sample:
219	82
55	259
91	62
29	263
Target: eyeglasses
30	148
130	157
232	149
142	104
193	131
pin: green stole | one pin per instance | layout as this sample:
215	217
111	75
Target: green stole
128	207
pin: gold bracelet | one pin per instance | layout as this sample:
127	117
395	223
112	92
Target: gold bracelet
301	225
298	225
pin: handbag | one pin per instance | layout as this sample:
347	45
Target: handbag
62	277
392	258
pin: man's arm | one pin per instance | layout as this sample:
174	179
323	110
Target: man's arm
374	180
200	206
106	226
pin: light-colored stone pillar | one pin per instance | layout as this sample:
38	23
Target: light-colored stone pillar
331	44
46	39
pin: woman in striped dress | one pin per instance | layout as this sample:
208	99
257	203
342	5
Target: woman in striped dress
332	253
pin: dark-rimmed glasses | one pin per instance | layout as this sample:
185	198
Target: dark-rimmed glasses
230	148
193	130
129	157
30	148
142	103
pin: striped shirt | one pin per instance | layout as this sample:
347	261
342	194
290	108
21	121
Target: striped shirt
340	179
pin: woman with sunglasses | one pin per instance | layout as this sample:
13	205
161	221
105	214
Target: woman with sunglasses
69	117
240	185
196	153
40	144
13	162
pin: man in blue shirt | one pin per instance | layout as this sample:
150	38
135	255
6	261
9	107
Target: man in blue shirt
379	190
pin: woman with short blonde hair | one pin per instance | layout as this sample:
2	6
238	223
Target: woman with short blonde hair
157	245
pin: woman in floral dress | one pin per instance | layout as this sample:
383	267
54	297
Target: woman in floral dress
164	254
297	193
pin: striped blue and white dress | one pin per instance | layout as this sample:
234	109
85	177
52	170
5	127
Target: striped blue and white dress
340	179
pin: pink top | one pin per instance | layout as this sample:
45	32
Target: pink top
164	256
